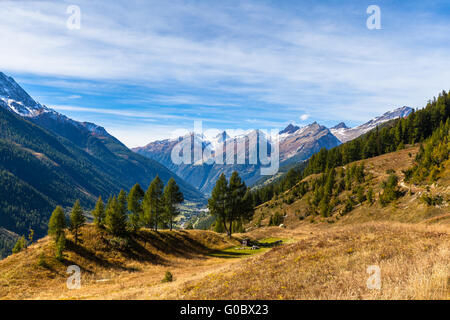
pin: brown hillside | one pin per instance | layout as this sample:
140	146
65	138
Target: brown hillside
108	266
332	262
408	208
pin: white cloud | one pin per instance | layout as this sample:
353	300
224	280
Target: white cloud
304	117
241	53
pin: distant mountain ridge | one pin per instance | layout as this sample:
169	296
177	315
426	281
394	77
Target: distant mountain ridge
296	144
344	134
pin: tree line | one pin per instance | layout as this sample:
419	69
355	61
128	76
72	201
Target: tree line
429	162
122	214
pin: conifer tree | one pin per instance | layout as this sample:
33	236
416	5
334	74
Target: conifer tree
60	246
135	207
31	236
172	198
370	195
20	245
56	227
218	202
231	201
57	223
153	203
116	220
77	220
99	213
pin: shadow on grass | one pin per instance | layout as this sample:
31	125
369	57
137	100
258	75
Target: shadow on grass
91	256
233	253
173	243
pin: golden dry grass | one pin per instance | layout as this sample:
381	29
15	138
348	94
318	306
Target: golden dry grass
331	263
109	271
321	262
325	259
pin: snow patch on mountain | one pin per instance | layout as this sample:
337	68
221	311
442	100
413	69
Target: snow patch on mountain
17	100
344	134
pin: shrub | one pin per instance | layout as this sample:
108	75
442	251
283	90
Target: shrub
276	219
119	243
348	206
41	261
390	190
432	200
20	245
168	277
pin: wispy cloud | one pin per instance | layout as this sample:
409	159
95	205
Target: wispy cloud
304	117
228	62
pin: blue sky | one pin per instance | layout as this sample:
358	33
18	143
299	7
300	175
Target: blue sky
143	69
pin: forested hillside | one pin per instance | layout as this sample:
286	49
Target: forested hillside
40	169
392	136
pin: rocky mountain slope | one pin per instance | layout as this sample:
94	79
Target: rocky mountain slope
344	133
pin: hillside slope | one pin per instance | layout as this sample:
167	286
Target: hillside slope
129	269
40	169
332	262
322	258
409	207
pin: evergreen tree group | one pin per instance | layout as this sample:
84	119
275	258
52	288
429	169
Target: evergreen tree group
158	207
230	203
155	208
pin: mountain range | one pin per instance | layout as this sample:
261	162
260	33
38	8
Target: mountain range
48	159
296	144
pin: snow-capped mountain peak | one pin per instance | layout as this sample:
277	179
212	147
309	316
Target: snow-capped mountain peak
290	129
14	98
345	134
340	125
17	100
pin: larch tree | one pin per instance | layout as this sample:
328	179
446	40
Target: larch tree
116	220
57	223
230	202
172	198
153	203
99	213
56	226
218	203
240	204
77	220
135	198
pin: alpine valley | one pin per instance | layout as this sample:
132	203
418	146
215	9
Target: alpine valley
48	159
